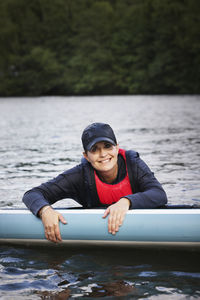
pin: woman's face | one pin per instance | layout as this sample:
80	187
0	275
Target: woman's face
103	156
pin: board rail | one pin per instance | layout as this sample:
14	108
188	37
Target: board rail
142	227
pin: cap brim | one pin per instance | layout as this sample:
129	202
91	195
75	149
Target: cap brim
99	139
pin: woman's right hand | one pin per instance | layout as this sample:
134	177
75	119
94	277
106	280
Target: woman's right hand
50	219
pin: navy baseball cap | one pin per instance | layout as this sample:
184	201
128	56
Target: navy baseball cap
97	132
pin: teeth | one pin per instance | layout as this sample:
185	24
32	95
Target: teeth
105	161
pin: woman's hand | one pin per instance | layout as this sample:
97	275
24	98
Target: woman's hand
50	219
116	214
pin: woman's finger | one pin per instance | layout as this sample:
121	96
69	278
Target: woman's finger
52	237
113	222
121	218
116	223
57	234
62	219
106	213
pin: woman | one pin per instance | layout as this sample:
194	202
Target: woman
107	177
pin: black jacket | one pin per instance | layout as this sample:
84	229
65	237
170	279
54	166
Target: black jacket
78	183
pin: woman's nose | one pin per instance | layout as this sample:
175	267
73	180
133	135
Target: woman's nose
102	152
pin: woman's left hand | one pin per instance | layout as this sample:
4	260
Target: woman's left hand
116	214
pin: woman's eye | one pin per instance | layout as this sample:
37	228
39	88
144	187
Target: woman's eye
108	146
94	149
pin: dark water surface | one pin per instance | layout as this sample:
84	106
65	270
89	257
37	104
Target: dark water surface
67	273
40	137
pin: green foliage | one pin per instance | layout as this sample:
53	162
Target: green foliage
88	47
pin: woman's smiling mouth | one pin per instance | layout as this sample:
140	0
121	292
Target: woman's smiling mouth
105	161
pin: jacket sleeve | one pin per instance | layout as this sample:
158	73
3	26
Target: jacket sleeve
150	193
66	185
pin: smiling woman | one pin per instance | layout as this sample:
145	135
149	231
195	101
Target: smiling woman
107	177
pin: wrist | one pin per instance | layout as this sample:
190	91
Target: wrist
43	209
126	200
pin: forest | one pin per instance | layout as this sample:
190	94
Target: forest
99	47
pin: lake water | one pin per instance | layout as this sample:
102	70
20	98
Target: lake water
40	137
